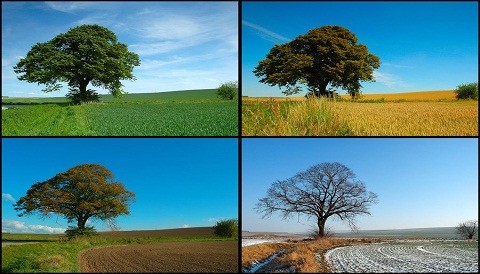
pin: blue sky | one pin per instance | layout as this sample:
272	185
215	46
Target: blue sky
420	182
421	45
182	182
186	45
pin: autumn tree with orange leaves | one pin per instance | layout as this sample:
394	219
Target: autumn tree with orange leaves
82	192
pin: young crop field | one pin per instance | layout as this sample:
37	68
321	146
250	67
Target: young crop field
414	116
145	115
406	256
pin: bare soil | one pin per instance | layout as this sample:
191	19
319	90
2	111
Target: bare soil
184	257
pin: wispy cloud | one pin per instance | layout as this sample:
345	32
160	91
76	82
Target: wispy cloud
266	34
17	226
185	226
387	64
69	7
8	197
388	79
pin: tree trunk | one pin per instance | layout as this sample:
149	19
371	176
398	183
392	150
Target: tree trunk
83	87
321	89
81	221
321	227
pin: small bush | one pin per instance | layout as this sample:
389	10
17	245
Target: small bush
77	98
226	228
74	232
467	91
228	91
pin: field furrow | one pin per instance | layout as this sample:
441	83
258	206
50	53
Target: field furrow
418	256
163	257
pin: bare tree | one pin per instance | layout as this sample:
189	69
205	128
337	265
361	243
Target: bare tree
322	191
467	229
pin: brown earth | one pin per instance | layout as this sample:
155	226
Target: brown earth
188	257
175	232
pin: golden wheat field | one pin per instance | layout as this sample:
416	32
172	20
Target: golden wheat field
434	113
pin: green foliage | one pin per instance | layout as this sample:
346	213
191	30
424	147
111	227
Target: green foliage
77	97
226	228
162	118
467	91
323	56
228	91
84	191
75	232
85	54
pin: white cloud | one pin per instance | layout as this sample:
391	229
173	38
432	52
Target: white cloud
387	64
387	79
267	34
8	197
17	226
185	226
69	7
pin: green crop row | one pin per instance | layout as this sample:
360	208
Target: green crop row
203	118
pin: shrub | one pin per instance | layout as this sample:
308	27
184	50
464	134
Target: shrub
467	91
226	228
228	90
73	232
77	97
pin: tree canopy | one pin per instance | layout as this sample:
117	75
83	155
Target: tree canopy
322	191
82	192
84	54
323	56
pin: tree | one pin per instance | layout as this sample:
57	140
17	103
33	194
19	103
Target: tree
467	229
82	192
85	54
323	56
228	90
226	228
322	191
467	91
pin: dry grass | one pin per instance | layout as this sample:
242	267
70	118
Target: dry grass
258	252
302	256
439	95
426	116
291	118
410	119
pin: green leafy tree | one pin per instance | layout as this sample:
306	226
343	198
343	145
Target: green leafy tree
323	56
226	228
82	192
85	54
467	91
228	90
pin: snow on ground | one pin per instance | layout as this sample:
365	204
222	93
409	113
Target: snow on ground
406	256
254	241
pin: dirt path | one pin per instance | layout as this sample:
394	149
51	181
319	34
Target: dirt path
163	257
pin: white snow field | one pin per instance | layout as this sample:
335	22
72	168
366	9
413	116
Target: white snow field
254	241
406	256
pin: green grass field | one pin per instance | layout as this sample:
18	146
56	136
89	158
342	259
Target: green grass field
177	113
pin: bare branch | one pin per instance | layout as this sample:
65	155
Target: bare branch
324	190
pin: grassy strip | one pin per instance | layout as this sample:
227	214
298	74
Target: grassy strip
62	256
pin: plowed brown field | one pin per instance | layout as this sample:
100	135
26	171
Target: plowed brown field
163	257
